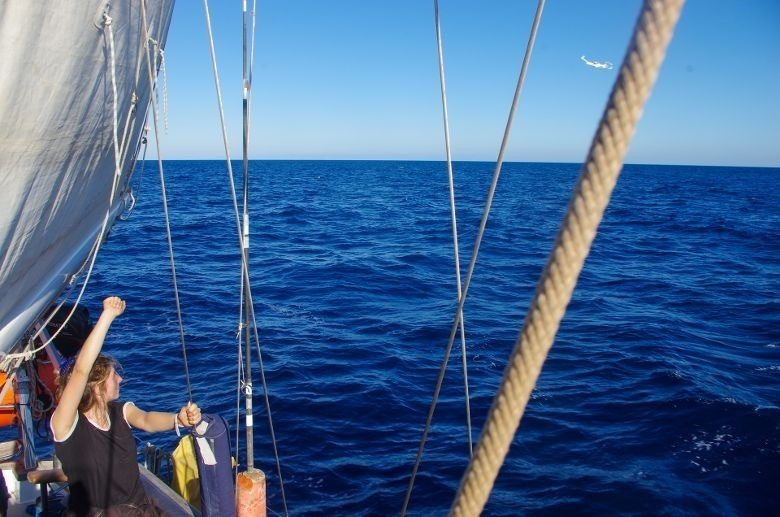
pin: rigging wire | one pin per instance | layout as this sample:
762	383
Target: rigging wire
252	58
152	84
478	241
240	383
268	405
453	217
240	367
244	267
252	312
136	192
598	177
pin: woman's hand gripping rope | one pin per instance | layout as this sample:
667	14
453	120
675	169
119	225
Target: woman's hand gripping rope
189	415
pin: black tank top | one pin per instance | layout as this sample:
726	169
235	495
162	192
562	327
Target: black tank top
101	466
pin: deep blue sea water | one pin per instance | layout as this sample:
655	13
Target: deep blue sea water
660	395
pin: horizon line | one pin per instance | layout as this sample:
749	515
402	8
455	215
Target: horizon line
453	161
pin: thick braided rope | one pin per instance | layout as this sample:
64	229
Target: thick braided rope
591	196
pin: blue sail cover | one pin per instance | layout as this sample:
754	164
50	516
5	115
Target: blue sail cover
212	448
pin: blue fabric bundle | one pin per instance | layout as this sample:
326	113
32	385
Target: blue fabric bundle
212	448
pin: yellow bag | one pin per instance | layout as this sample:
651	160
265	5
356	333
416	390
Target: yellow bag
185	472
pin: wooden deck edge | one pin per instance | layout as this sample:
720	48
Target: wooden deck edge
164	495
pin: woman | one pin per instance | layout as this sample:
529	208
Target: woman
92	431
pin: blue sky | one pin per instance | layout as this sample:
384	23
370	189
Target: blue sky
349	79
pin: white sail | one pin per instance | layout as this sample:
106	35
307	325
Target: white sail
57	153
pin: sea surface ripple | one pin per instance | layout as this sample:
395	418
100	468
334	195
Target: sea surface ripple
660	395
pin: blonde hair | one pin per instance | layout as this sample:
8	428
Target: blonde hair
97	378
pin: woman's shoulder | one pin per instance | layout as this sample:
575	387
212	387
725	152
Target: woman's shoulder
117	407
69	432
117	410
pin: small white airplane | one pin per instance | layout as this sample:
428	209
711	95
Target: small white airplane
597	64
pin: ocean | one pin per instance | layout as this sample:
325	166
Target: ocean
660	395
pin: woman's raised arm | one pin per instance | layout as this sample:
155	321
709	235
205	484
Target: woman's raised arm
63	417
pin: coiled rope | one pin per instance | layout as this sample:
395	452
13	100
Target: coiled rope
159	51
590	198
477	243
115	108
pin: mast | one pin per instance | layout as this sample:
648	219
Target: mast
255	477
250	449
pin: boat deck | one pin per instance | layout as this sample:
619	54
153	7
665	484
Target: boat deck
22	493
